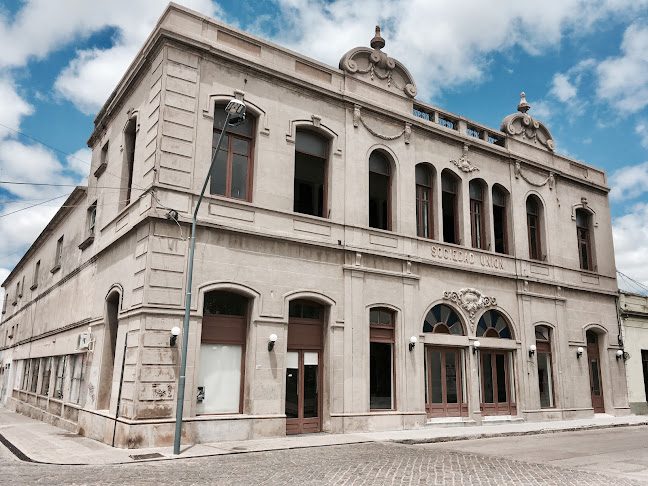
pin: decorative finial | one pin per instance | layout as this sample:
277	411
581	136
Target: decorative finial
523	107
377	42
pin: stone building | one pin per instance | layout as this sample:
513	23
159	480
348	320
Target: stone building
416	267
633	309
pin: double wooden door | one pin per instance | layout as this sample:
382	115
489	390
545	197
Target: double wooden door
594	361
445	395
496	383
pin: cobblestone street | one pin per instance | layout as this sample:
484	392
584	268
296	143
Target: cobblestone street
370	464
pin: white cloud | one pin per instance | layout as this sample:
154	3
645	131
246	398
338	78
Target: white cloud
13	107
541	110
631	243
561	88
629	182
623	81
641	129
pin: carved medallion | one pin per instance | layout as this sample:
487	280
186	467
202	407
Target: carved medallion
471	300
463	163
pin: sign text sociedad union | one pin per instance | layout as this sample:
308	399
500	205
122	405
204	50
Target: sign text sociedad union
466	257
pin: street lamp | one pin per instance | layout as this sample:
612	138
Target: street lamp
235	111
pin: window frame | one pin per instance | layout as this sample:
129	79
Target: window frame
536	218
420	189
587	265
325	182
543	347
389	190
130	138
504	209
455	208
231	135
378	333
477	211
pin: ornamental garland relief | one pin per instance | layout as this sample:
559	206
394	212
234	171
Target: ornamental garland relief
471	300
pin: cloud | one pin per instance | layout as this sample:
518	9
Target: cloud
623	81
13	107
641	129
631	243
629	182
561	88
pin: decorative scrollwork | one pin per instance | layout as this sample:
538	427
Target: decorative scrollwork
471	300
522	125
463	163
551	179
357	119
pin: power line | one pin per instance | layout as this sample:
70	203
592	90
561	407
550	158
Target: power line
45	184
33	205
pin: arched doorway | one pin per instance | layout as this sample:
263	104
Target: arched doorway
594	363
303	367
445	382
496	367
108	351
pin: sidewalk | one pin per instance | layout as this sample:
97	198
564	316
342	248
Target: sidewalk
36	441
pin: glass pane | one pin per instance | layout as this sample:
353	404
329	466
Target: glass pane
534	240
596	385
224	143
224	303
498	226
447	183
425	220
435	375
581	218
239	176
531	206
487	374
449	220
219	375
218	178
310	143
310	385
219	119
378	200
381	376
422	175
385	318
477	224
309	185
501	378
451	376
292	384
240	146
378	163
311	311
499	199
544	380
475	191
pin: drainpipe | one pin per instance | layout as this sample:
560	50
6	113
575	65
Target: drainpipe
121	383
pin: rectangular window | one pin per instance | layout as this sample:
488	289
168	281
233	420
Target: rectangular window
35	365
35	279
381	360
59	252
449	209
219	376
477	215
47	372
61	364
379	189
92	216
26	372
78	378
310	174
499	225
423	205
534	246
584	248
4	304
130	142
544	380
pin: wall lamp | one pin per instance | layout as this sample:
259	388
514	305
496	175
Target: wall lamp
476	345
412	342
622	354
271	341
579	352
532	350
175	331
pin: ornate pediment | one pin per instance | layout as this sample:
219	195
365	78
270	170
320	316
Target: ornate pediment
522	126
470	300
378	68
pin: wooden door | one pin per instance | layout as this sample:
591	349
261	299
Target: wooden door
497	396
444	386
596	385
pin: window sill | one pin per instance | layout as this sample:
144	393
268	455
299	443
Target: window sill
86	243
101	169
55	269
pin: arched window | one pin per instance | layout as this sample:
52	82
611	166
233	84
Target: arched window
477	224
381	359
533	208
130	139
311	154
584	243
222	353
443	320
379	191
232	172
449	198
499	220
545	378
493	324
424	225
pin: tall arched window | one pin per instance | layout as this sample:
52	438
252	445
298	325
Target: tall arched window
449	198
545	378
381	359
379	191
232	172
311	153
499	220
424	225
477	224
222	353
533	208
584	242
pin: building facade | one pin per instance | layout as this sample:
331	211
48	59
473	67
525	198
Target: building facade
633	309
364	261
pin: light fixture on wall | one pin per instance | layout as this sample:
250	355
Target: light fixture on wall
476	345
622	354
532	350
412	342
579	352
271	341
175	331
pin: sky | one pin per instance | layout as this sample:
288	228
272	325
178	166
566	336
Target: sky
583	66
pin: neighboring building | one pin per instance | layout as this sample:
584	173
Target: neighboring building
345	217
634	322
